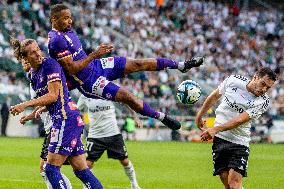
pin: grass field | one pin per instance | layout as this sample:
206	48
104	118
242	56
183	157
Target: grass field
159	165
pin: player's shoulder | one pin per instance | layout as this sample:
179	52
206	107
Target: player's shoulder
48	62
262	101
55	36
238	78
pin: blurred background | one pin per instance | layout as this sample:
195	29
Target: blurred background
235	36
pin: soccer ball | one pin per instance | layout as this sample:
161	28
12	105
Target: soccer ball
188	92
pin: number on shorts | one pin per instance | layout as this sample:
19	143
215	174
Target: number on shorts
89	145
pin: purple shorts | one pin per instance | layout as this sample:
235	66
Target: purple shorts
105	71
65	137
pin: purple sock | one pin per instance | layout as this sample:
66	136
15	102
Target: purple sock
149	111
87	177
163	63
54	176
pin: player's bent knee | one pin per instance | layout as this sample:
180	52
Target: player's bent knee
234	183
90	164
124	162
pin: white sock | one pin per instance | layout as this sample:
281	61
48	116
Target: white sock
161	116
48	185
181	65
43	175
130	172
67	181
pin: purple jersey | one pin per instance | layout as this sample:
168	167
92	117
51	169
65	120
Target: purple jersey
65	44
94	81
50	71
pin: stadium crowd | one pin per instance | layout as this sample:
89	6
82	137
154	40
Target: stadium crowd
233	40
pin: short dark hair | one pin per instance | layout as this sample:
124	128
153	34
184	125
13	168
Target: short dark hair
267	71
56	9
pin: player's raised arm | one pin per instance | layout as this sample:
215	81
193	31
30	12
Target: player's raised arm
73	67
50	97
209	102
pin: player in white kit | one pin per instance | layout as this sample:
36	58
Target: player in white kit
104	135
243	100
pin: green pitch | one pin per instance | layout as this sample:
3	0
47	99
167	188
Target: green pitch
159	165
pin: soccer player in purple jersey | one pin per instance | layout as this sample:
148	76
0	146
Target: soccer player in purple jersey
93	76
49	83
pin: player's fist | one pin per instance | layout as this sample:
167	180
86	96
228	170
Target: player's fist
103	49
17	109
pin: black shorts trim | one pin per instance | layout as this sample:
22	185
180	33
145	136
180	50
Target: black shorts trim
114	145
227	155
44	149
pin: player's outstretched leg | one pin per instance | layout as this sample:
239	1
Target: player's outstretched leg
152	64
145	109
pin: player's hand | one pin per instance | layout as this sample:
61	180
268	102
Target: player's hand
39	111
103	49
208	134
138	123
17	109
24	119
200	123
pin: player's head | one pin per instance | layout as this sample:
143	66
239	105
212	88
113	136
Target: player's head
262	80
27	52
60	17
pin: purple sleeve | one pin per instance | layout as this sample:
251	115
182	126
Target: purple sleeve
58	47
52	70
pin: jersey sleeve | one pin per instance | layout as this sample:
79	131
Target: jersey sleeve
58	47
81	104
53	71
224	85
260	107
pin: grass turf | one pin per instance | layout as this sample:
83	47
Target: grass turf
158	165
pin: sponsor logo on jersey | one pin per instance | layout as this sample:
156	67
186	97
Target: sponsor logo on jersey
40	90
63	53
107	62
73	143
77	52
52	76
54	135
234	105
99	108
72	105
80	121
99	85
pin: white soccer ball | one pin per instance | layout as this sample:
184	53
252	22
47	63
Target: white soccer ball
188	92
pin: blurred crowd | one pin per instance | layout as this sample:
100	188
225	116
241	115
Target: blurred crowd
233	40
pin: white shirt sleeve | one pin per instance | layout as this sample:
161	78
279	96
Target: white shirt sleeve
81	104
256	111
32	92
223	86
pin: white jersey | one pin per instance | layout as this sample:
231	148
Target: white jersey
102	117
45	117
235	100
